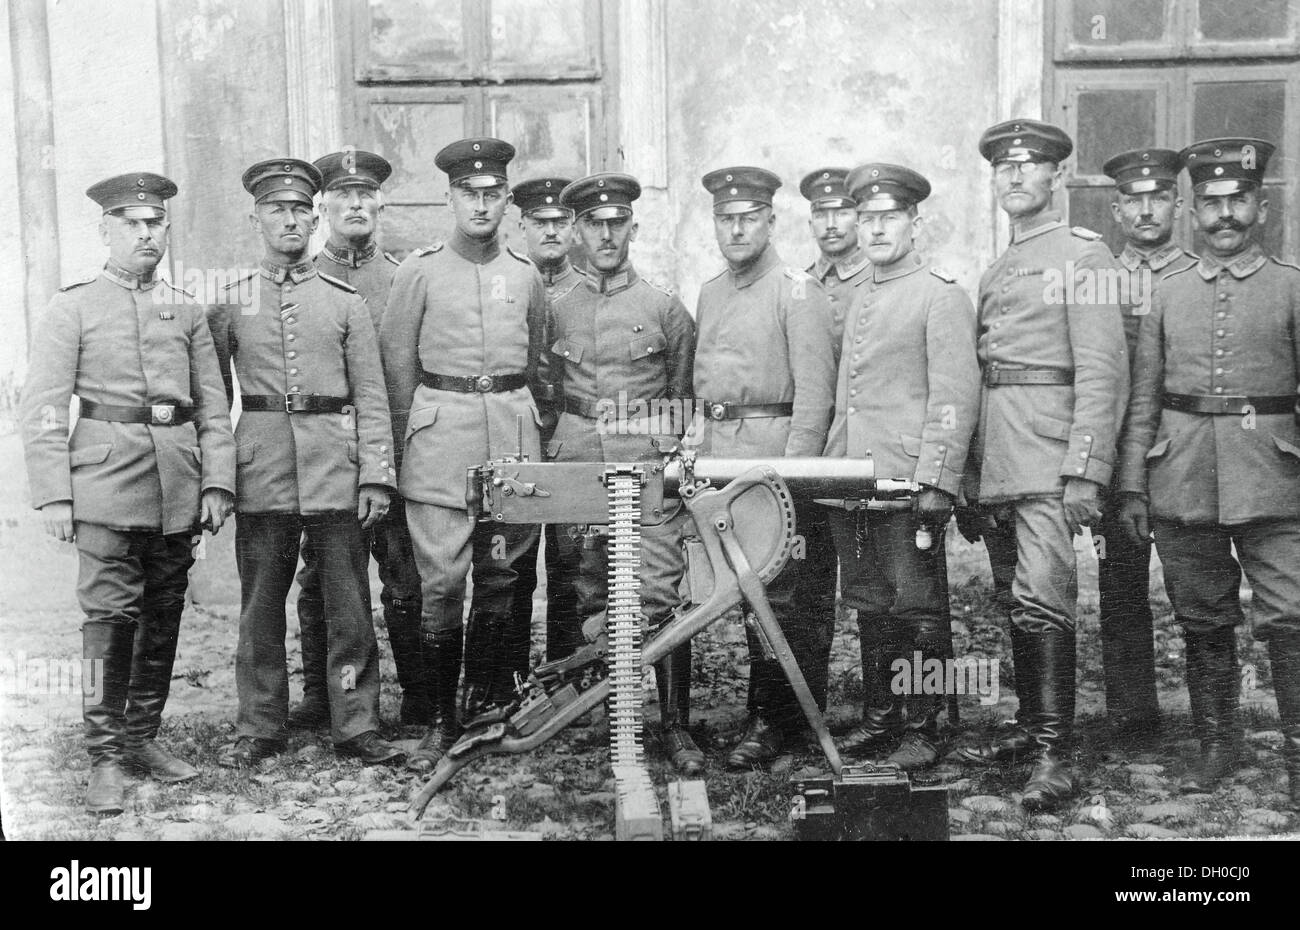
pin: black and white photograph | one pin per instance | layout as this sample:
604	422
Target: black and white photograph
658	420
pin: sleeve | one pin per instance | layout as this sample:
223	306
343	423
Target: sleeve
370	399
1101	378
953	380
221	328
1143	417
46	396
541	377
812	364
399	343
679	330
207	388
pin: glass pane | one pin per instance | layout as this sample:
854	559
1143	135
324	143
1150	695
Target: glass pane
1110	122
549	127
1255	109
1232	19
1116	22
1090	208
540	38
416	35
408	134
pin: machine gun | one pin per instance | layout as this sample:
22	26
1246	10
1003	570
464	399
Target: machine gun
744	532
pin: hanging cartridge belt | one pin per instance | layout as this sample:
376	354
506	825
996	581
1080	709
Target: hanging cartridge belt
1230	404
154	414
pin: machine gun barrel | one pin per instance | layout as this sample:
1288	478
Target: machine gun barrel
805	476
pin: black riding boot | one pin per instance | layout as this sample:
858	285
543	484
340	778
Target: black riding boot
106	673
1051	725
673	676
483	638
151	677
1013	740
442	654
1212	693
921	744
883	711
402	620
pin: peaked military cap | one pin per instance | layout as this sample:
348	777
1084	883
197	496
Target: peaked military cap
283	179
137	195
475	162
540	197
880	186
352	166
603	196
741	189
826	188
1143	170
1226	166
1025	140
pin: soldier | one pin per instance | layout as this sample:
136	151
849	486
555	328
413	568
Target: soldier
547	228
314	459
151	460
908	395
843	264
1145	207
1051	346
1212	451
462	340
623	345
353	202
765	374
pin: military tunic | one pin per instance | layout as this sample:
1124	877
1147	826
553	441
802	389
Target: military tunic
841	279
1221	329
621	342
466	308
300	332
764	337
368	269
1049	303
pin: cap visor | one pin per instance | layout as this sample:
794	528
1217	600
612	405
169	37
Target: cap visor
478	181
728	207
834	203
348	181
549	213
286	195
607	212
137	211
1144	186
1224	186
882	205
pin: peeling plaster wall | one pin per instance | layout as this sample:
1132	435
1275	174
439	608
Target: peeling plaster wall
831	82
13	319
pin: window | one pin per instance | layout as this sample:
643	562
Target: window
1129	73
424	73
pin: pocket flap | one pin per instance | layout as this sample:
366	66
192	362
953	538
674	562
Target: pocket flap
244	454
569	351
420	418
911	445
1158	449
1052	428
650	344
1288	447
90	455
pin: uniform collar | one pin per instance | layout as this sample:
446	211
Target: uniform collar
844	268
1242	265
1039	224
558	274
766	261
478	251
351	258
910	263
1133	258
278	274
613	282
128	279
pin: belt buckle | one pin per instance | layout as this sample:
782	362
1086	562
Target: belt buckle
293	403
717	411
483	384
162	414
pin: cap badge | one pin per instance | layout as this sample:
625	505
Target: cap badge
477	146
1218	170
728	178
288	167
600	183
549	198
826	175
828	188
288	180
1146	170
548	183
139	182
478	164
1016	128
604	197
1146	155
140	196
733	190
875	188
875	172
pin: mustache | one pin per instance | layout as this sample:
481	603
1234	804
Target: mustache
1223	225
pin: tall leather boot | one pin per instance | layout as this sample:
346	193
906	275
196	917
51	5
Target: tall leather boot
313	711
483	632
442	652
563	631
1013	741
1212	680
673	677
921	743
402	620
1051	723
883	711
106	670
151	677
1284	655
512	656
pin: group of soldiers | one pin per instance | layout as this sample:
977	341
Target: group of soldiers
368	387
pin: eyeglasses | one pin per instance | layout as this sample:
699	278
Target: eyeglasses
1008	169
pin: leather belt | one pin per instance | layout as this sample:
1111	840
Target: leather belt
594	410
474	384
154	415
997	376
1229	404
294	403
727	411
